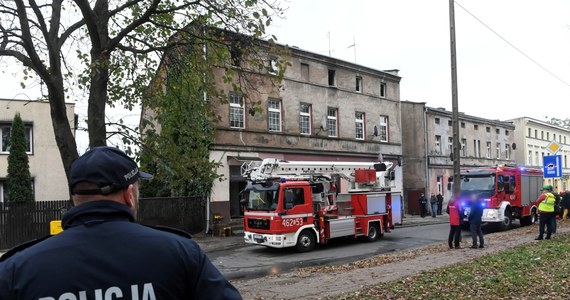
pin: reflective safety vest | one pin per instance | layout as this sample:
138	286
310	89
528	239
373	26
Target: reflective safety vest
547	205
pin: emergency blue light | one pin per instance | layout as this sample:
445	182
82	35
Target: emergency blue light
283	179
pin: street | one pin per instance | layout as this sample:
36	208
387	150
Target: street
257	261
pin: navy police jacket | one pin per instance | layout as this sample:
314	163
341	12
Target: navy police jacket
103	254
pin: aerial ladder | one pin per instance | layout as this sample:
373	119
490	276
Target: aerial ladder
297	203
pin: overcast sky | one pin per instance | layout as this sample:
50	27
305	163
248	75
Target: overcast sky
495	80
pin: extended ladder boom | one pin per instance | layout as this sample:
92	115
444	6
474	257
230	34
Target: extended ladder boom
271	168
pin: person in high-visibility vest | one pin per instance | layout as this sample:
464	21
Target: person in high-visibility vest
546	210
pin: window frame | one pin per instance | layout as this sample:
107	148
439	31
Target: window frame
309	117
498	147
383	128
332	78
358	83
272	66
438	144
332	122
28	131
359	125
236	110
274	111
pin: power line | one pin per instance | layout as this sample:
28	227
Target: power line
514	47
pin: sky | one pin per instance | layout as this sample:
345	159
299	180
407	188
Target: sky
513	56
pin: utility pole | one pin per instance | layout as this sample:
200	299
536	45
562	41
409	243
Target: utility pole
455	109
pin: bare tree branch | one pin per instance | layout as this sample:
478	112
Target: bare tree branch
134	24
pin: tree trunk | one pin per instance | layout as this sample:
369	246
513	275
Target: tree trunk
96	111
63	132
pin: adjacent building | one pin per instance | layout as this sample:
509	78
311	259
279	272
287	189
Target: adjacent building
536	139
46	167
427	145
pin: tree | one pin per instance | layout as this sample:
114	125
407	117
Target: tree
19	178
176	151
115	45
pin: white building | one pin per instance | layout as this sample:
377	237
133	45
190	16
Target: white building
533	138
46	167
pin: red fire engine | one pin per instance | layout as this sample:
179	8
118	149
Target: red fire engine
297	204
509	192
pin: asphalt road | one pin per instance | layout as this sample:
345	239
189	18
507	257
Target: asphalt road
257	261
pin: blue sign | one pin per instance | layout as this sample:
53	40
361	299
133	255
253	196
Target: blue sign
552	166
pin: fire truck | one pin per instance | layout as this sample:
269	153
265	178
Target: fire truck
508	192
298	204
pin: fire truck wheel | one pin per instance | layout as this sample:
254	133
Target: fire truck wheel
306	241
373	232
529	220
507	220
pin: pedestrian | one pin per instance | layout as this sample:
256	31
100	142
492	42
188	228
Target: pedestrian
455	219
433	204
423	205
546	212
439	203
102	251
475	215
565	203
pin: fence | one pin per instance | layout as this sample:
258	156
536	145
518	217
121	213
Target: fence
24	221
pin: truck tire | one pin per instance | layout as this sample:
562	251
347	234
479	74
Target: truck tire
531	219
306	241
507	220
373	232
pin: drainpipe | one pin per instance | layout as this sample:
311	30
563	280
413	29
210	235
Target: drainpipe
426	152
208	214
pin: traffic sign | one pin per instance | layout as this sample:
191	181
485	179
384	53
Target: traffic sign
553	147
552	166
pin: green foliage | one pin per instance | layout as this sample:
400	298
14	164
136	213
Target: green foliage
19	178
105	53
533	271
177	150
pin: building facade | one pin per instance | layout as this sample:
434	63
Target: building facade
46	167
324	109
533	138
427	147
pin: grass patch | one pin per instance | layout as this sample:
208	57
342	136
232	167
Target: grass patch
539	270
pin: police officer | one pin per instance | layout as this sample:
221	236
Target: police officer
546	210
103	254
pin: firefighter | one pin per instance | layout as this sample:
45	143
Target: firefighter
546	203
